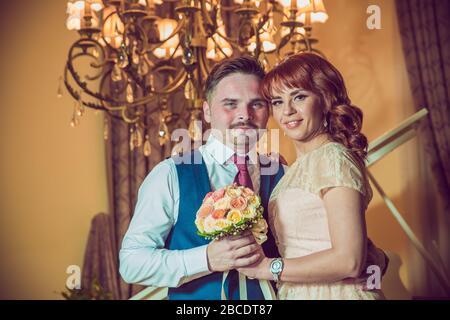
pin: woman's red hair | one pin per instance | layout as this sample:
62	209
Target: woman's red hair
313	73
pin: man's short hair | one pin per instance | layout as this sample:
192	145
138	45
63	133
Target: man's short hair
244	65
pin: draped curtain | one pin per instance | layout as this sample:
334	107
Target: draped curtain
425	32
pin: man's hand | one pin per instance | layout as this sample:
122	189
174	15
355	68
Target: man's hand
233	252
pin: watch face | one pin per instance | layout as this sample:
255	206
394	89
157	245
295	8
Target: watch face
276	266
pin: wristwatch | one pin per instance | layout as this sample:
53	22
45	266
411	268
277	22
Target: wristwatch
276	267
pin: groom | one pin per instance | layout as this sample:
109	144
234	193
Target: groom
161	247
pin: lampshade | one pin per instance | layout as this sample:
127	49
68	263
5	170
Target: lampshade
76	12
257	2
113	28
96	5
300	3
73	21
266	38
316	11
268	44
212	50
285	31
166	27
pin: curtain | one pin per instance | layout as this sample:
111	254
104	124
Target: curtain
99	258
425	32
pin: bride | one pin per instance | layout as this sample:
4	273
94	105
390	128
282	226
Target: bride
316	211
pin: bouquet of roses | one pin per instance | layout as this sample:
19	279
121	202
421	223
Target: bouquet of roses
230	211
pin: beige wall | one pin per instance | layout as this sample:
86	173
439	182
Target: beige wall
53	177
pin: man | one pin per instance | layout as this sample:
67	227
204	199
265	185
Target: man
161	247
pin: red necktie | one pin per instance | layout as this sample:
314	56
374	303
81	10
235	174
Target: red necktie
243	176
243	179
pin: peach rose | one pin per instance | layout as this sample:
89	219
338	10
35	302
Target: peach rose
204	211
219	213
238	203
247	192
209	201
218	194
234	192
208	195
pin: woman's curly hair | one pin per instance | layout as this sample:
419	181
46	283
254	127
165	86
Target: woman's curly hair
311	72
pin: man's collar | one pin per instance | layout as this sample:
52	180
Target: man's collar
223	153
219	151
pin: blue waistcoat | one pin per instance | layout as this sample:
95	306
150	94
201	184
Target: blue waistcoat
194	184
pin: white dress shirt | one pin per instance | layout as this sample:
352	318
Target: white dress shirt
143	258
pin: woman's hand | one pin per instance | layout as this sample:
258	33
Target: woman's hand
259	270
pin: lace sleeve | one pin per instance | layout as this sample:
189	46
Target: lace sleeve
334	166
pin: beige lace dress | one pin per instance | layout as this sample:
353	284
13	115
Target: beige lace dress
298	218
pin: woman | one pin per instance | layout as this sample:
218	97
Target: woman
316	212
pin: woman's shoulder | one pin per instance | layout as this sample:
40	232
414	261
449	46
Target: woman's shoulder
336	159
334	165
332	149
332	155
331	165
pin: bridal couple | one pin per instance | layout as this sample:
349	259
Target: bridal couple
317	245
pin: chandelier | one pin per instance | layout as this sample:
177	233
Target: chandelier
134	55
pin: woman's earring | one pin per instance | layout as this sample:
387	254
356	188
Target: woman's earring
325	123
